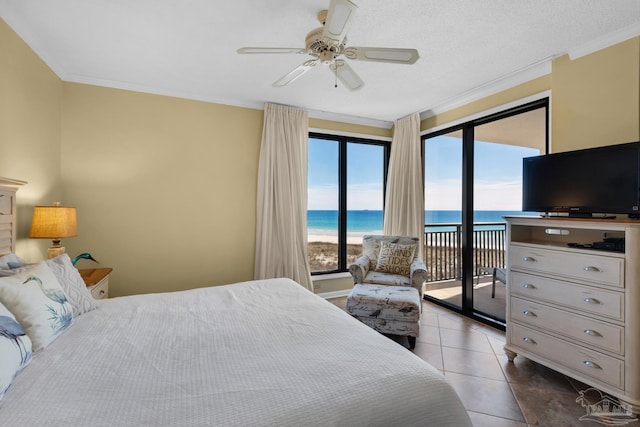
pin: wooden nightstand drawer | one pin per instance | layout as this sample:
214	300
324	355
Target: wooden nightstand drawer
101	290
97	281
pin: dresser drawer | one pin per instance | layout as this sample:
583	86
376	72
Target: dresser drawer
592	332
586	299
606	270
603	368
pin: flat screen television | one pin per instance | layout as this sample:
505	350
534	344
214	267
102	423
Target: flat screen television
603	180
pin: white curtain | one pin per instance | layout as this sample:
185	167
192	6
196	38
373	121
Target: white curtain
281	226
404	205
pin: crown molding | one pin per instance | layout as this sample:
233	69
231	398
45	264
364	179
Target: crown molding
316	114
531	72
605	41
345	118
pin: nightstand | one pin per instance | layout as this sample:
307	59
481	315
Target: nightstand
97	281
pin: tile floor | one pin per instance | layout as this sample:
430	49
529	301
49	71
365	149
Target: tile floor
495	392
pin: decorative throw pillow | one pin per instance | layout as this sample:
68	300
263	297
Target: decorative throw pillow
11	261
15	349
38	303
395	258
11	264
72	284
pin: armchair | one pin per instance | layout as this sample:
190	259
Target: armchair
363	269
388	286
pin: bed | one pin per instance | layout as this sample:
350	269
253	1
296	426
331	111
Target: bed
258	353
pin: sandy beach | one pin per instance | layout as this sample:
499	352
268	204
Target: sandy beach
323	251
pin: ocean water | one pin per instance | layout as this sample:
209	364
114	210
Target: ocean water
371	222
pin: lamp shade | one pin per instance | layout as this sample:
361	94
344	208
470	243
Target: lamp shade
53	222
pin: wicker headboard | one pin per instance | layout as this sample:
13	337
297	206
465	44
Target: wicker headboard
8	188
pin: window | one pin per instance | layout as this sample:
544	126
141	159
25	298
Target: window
346	182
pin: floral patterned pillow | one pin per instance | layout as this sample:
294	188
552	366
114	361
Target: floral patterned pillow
38	303
15	349
395	258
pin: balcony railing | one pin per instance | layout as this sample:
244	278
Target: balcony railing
443	249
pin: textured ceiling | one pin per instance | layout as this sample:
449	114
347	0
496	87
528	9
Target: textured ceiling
188	48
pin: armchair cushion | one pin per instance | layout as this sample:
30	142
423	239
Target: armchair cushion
359	269
395	258
387	279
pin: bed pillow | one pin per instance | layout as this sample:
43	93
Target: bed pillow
72	284
11	264
395	258
15	349
38	303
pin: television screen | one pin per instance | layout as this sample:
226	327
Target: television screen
583	182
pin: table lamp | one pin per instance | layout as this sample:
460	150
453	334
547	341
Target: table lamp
53	222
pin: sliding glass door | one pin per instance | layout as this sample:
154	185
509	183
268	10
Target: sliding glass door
473	178
443	217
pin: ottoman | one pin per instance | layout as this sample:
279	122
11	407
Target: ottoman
393	310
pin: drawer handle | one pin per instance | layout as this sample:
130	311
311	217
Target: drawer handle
528	286
592	301
529	259
592	333
529	340
591	364
529	313
592	269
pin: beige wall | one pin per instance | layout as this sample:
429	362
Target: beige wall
596	98
165	187
30	109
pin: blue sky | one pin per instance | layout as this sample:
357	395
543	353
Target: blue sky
497	176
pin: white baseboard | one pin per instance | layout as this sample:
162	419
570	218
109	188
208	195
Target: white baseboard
335	294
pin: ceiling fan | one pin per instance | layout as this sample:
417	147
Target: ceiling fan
328	43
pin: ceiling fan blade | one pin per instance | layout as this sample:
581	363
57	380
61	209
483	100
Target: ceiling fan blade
295	73
271	50
382	54
346	74
339	19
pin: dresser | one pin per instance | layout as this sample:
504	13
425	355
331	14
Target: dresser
574	308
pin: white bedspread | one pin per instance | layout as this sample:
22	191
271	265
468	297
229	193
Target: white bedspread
261	353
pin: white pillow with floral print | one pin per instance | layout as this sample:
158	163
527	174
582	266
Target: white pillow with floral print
38	303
